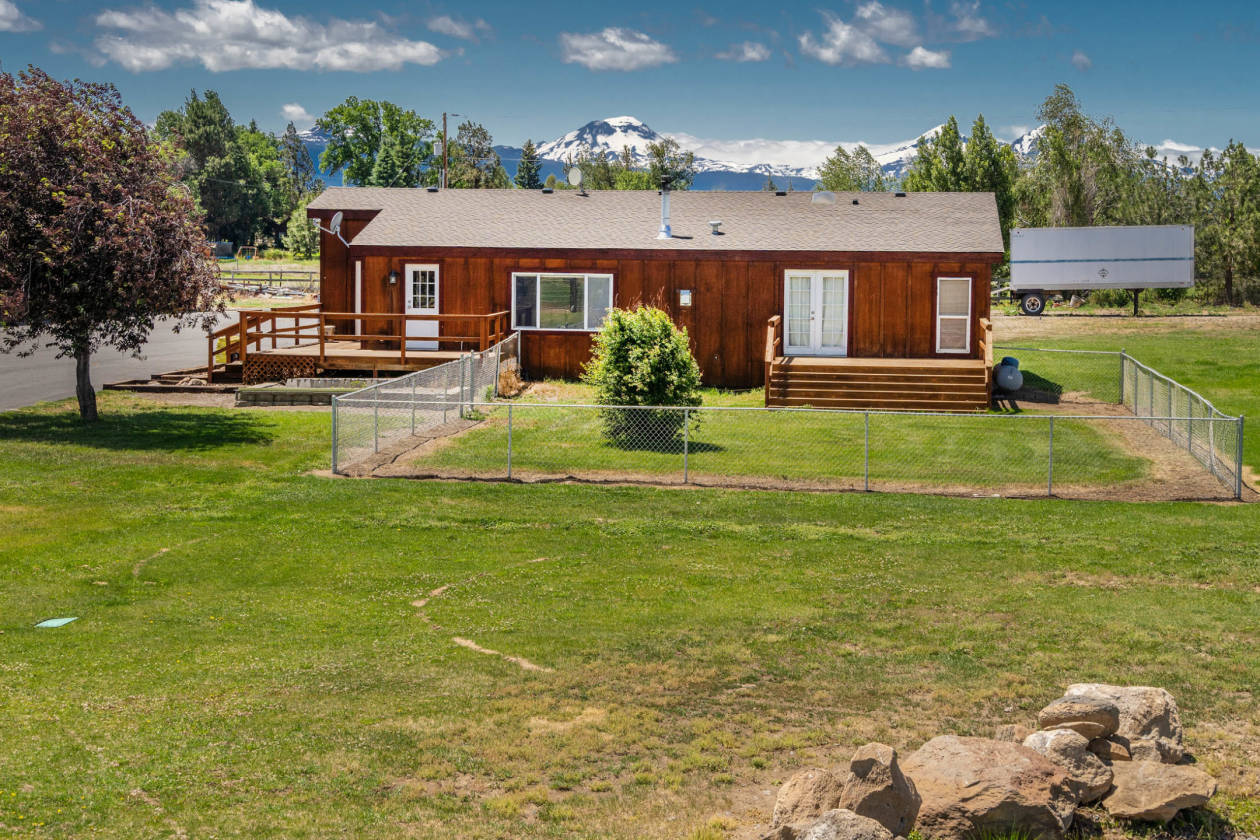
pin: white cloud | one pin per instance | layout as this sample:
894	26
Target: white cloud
889	26
758	150
968	24
458	28
1081	61
1016	131
921	58
614	48
12	19
843	44
240	34
301	118
747	51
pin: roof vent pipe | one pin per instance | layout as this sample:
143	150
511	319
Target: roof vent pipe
664	232
715	224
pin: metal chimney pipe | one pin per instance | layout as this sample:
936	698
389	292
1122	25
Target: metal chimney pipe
664	232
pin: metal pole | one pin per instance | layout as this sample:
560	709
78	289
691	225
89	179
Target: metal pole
334	434
686	442
498	355
376	424
1190	425
1168	385
446	391
413	404
509	440
1050	473
1122	377
1212	443
866	453
1238	456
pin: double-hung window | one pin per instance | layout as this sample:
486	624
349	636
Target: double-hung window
953	314
546	301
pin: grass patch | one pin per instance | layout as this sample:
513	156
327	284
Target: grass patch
978	451
250	660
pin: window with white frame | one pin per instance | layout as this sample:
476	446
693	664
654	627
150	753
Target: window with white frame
953	314
545	301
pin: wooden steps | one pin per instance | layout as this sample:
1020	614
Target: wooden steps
880	384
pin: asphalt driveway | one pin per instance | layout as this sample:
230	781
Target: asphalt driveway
24	381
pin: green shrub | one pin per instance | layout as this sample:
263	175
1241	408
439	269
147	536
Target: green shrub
641	358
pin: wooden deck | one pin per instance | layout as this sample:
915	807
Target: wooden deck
877	383
297	341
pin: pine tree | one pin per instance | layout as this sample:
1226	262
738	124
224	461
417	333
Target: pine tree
387	171
940	165
769	185
990	166
303	175
527	170
855	171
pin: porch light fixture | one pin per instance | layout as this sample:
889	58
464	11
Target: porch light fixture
684	298
393	277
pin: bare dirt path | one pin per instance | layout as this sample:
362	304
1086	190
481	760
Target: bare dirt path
1013	328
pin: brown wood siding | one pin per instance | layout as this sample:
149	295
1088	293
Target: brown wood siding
892	304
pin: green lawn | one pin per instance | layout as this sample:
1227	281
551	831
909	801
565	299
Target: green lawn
249	661
987	451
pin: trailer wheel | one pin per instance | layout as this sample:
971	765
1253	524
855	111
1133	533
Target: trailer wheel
1033	303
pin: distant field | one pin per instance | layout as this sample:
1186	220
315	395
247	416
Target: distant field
261	652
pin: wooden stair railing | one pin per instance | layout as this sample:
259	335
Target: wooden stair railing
774	343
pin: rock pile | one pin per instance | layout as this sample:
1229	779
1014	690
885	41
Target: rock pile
1119	746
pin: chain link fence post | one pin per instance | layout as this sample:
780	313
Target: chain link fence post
376	424
1238	461
334	434
1050	472
1122	374
686	439
866	452
413	405
509	475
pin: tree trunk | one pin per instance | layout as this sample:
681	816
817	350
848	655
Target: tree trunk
1229	284
83	386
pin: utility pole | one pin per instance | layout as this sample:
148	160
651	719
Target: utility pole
445	151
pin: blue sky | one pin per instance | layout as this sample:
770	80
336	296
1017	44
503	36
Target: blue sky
877	72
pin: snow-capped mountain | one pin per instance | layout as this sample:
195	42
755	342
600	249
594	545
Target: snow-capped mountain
720	165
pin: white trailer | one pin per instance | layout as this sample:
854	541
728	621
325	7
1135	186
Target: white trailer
1081	259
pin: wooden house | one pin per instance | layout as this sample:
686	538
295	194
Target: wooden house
842	300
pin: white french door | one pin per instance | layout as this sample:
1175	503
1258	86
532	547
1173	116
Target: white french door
816	313
421	295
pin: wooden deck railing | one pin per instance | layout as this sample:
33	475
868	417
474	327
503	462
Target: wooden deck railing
307	326
986	351
774	345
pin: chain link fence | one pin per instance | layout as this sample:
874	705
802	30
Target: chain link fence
437	400
1138	448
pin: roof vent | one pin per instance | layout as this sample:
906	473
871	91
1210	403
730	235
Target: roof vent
780	192
823	197
855	201
547	190
900	195
715	224
430	189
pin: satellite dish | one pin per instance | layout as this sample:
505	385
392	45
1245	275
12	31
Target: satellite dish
823	197
335	224
575	176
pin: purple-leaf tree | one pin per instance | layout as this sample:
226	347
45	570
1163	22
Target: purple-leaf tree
97	239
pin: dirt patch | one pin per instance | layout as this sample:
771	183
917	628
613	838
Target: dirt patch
1009	328
590	716
519	661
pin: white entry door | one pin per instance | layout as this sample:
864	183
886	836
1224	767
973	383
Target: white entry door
421	299
816	313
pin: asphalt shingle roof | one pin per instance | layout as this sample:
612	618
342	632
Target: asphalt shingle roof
614	219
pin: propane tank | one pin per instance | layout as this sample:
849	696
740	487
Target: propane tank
1007	376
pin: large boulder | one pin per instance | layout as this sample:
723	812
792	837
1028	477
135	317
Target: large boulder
1148	719
1088	776
836	824
1149	790
970	785
877	788
807	796
1015	733
1112	749
1090	716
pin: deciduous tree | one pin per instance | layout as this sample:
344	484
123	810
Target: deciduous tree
855	171
358	130
99	239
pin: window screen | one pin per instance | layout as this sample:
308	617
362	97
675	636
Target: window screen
953	314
